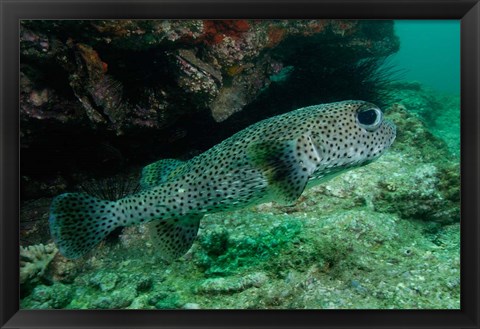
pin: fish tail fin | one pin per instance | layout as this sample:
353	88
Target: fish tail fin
173	237
79	222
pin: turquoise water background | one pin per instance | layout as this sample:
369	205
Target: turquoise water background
429	53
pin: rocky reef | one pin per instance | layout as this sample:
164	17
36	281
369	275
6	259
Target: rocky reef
195	65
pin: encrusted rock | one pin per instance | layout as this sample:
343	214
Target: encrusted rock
56	296
105	281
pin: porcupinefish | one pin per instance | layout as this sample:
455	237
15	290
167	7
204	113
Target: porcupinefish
272	160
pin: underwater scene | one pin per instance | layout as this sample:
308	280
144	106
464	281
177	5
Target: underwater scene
240	164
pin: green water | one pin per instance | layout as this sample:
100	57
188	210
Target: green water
429	53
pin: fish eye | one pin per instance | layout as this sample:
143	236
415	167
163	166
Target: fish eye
369	118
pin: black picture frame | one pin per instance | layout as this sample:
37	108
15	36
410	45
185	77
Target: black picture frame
468	11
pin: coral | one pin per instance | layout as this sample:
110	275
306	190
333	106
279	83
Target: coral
34	260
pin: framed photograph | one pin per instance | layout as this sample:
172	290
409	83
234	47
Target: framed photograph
239	164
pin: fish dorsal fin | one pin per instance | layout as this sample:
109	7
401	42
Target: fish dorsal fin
160	172
173	237
287	165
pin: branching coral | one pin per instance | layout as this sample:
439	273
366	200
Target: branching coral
34	260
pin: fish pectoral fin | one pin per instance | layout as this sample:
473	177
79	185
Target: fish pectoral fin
173	237
287	165
159	172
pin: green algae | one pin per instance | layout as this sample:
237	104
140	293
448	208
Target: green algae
248	249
